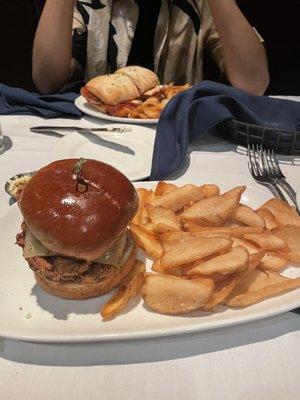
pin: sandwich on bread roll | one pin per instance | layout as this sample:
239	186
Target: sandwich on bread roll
120	93
143	78
74	235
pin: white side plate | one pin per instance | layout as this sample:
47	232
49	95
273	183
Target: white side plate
130	152
28	313
83	106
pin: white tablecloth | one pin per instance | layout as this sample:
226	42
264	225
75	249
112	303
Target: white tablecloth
255	361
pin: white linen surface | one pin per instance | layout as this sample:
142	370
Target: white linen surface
255	361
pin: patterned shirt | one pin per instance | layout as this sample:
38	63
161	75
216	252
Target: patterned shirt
103	31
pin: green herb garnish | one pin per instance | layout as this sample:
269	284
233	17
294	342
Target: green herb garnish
81	184
78	166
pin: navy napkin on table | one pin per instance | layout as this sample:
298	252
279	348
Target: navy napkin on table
204	106
16	101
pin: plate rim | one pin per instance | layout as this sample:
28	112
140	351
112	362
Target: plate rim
98	114
252	316
174	331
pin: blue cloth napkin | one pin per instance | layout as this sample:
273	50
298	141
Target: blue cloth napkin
203	107
18	101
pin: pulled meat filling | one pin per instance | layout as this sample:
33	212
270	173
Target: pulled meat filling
66	269
63	269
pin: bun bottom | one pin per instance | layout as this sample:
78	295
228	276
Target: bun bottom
79	291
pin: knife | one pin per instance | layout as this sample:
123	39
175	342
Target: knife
44	128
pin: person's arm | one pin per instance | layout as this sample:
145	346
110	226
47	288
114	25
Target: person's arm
244	56
53	65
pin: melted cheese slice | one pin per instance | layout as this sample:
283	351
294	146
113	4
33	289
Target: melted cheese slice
34	248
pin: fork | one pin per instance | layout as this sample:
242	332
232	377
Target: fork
258	170
276	173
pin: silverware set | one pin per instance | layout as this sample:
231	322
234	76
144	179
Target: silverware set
266	171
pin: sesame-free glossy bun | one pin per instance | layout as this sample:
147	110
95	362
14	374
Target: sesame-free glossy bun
74	222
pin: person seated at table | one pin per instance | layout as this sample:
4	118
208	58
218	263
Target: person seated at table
168	36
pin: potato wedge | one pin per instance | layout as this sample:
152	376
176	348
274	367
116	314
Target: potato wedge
164	187
267	241
209	190
143	195
167	294
207	234
178	271
240	242
240	231
197	229
247	216
284	213
171	239
192	250
163	220
148	227
291	235
236	260
147	241
273	262
213	211
293	256
269	218
128	288
224	287
178	198
260	285
270	260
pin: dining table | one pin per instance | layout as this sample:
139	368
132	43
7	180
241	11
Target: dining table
254	360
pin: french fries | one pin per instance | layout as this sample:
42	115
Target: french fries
193	250
236	260
273	262
209	191
213	211
267	241
146	241
209	248
223	288
291	235
129	287
283	213
269	218
259	285
248	217
163	187
167	294
163	220
178	198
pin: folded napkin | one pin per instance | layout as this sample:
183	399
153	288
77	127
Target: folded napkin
203	107
18	101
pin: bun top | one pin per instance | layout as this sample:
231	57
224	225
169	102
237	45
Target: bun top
113	89
78	214
143	78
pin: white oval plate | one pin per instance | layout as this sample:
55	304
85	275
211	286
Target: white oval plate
83	106
29	313
130	152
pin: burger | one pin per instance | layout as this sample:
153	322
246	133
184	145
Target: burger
74	235
120	93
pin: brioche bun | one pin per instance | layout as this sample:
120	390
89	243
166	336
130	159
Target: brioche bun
75	223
